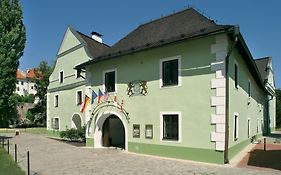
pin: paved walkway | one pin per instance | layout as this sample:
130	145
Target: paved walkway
51	157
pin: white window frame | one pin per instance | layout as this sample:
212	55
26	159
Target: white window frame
178	57
103	79
55	100
249	127
62	76
80	90
238	84
179	126
237	127
58	122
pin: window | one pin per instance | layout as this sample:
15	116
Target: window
21	82
79	97
31	87
18	89
170	73
56	102
249	127
61	77
136	131
249	89
235	127
236	75
149	131
55	123
17	82
109	81
170	127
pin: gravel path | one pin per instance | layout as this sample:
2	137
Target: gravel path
51	157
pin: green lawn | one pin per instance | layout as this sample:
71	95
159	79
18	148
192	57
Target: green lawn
41	131
8	165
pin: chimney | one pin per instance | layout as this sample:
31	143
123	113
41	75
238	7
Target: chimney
96	36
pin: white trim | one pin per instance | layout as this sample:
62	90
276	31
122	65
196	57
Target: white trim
55	100
237	127
58	120
179	126
178	57
72	123
62	76
249	127
103	79
99	124
80	90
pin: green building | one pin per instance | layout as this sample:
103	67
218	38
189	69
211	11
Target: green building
180	86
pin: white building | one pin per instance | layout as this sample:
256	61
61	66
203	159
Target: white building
25	85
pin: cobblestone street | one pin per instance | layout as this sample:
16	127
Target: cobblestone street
51	157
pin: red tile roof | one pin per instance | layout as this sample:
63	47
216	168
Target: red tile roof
20	75
30	73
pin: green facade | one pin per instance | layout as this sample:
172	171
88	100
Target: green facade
200	139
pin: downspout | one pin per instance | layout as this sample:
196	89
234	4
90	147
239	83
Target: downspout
236	33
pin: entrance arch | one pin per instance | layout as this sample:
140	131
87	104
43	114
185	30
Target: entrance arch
110	130
76	121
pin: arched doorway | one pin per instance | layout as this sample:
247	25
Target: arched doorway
113	132
76	121
103	123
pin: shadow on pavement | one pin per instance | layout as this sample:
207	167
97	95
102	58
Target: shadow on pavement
266	159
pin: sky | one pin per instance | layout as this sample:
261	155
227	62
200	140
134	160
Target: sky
46	22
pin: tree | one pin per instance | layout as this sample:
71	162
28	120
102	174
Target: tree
43	73
12	43
278	107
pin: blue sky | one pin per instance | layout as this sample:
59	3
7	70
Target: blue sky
47	20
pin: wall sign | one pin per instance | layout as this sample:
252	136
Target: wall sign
137	87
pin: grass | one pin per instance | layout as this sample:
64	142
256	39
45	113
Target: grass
39	130
8	165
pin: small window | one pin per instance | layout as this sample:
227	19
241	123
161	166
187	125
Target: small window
31	87
18	89
170	72
56	100
249	89
61	77
79	97
17	82
235	127
171	127
236	75
21	82
249	128
136	131
149	131
55	123
109	81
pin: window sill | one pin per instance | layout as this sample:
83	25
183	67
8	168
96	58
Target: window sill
169	86
170	141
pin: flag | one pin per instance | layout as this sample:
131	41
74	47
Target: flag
100	95
85	103
94	96
121	108
115	99
106	96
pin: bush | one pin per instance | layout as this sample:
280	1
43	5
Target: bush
74	134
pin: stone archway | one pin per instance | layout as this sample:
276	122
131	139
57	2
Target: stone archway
76	121
110	130
113	132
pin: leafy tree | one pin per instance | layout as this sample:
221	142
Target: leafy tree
12	43
278	108
43	73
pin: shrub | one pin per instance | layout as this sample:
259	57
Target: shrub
74	134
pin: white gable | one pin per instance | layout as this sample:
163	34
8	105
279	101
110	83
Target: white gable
69	41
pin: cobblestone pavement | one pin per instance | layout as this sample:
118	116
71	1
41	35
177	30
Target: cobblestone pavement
51	157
